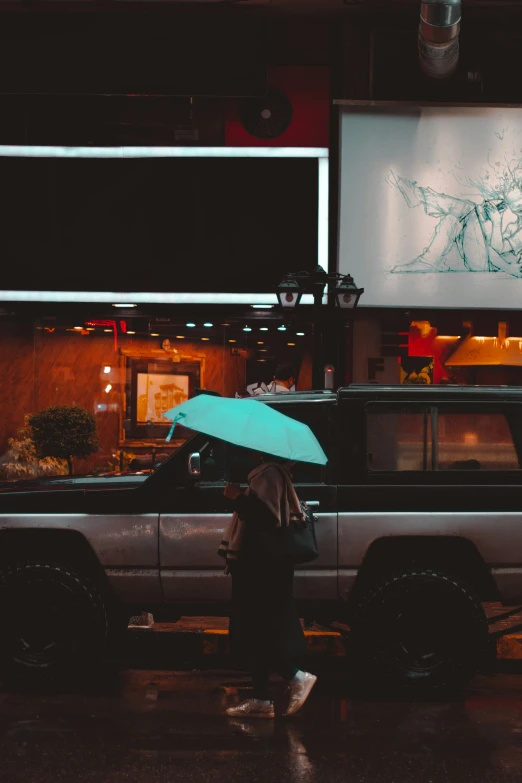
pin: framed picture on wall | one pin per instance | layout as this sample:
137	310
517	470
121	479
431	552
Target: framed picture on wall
154	386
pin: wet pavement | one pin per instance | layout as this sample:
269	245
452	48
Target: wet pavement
163	726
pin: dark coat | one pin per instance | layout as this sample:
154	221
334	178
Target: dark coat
265	627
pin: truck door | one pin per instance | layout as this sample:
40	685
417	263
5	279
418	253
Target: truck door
193	518
317	581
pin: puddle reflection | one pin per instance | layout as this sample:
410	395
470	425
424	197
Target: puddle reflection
279	733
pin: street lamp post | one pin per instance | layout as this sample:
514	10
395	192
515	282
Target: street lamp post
329	320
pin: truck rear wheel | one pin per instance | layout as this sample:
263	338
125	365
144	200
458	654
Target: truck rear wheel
420	631
53	620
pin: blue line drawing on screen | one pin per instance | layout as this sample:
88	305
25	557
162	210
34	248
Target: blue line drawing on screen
470	236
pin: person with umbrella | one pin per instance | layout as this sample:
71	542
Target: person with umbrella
265	630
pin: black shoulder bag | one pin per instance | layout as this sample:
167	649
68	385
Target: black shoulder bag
298	542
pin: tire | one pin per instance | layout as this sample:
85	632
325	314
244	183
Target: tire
54	619
420	632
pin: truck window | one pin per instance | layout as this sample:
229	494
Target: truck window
213	462
222	461
435	438
475	441
316	416
397	439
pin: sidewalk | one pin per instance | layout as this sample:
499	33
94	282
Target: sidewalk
209	635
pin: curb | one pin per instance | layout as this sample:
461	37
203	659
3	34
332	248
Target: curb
215	642
202	641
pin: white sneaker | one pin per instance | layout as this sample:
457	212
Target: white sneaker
251	709
299	692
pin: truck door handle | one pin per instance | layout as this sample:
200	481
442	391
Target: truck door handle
313	503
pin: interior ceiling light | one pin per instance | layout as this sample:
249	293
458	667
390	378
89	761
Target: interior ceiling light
190	325
154	334
107	330
108	388
180	337
208	324
106	369
281	328
90	329
129	332
117	304
291	343
264	329
232	341
205	338
262	307
260	342
300	334
78	328
247	329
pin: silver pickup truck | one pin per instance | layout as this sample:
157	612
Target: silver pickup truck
419	521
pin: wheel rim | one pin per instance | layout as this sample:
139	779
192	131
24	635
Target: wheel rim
43	620
423	633
417	645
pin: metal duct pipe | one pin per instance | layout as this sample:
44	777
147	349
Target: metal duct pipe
439	37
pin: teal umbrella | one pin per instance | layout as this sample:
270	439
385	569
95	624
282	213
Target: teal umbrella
251	424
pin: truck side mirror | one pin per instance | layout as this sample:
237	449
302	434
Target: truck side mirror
194	465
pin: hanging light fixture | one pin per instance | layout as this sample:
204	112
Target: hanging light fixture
294	284
347	294
289	292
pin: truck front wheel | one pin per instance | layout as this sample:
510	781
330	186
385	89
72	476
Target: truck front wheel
420	631
54	619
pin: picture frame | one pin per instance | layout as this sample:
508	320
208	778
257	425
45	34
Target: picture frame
153	386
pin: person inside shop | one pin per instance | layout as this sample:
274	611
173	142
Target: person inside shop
284	381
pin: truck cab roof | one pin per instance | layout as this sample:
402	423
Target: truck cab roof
298	397
374	391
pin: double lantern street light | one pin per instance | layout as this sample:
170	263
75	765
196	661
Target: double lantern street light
295	284
329	349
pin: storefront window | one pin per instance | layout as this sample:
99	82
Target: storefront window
127	371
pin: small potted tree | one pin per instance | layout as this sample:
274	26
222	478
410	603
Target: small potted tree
22	462
64	432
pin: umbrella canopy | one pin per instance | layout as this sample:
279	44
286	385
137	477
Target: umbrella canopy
251	424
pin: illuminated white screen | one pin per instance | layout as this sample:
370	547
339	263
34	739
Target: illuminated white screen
431	206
